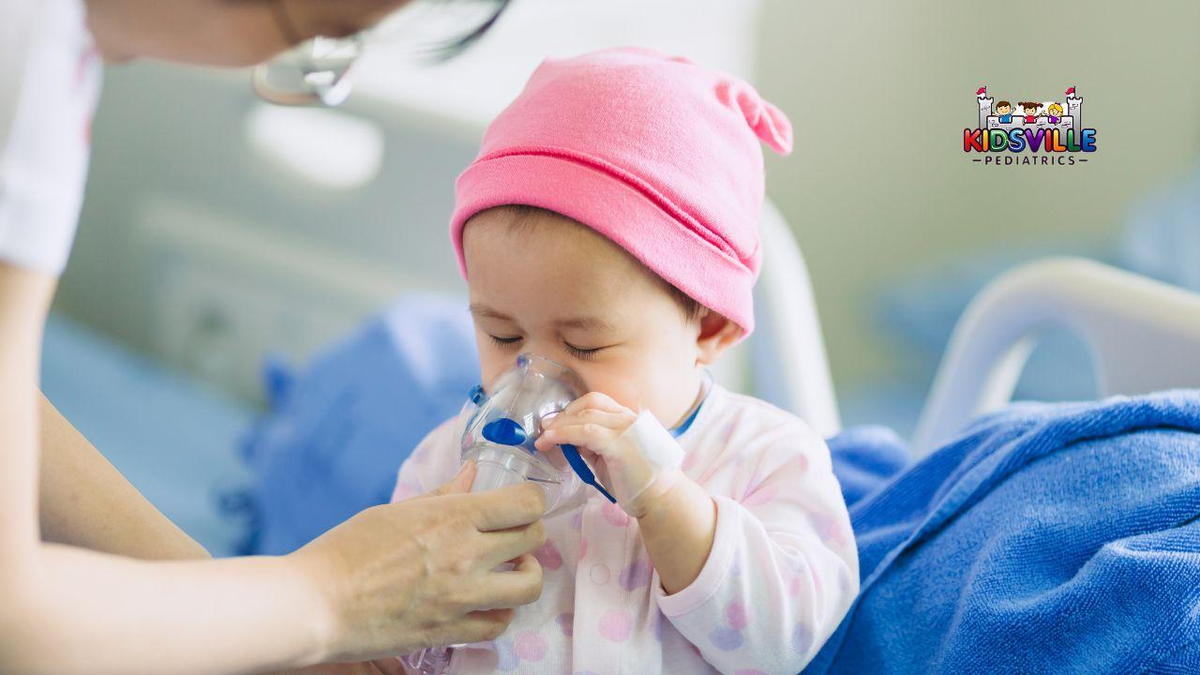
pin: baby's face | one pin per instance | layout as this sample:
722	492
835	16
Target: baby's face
550	286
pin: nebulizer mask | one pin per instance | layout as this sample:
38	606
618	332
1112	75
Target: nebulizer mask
505	423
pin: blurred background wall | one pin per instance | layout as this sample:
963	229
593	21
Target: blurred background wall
217	228
879	189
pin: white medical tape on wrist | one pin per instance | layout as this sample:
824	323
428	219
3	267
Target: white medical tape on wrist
656	461
658	446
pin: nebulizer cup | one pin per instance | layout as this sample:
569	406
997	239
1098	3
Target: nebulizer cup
500	436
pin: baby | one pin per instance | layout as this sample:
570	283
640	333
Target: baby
610	223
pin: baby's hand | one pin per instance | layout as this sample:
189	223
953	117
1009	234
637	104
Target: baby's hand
639	460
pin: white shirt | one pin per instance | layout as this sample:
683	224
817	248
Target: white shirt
49	82
782	572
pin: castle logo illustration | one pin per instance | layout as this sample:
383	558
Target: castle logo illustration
1029	133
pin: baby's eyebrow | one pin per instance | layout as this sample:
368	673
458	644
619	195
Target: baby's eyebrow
484	311
585	323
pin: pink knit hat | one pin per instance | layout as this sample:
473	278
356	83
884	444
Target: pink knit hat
657	154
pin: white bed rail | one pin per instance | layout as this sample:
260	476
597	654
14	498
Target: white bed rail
1144	336
788	362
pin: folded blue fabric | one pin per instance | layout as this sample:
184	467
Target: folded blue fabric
1048	538
336	434
865	458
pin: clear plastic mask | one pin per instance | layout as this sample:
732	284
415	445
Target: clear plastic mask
500	435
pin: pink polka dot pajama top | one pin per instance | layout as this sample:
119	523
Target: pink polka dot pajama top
782	572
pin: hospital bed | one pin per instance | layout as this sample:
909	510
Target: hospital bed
1143	336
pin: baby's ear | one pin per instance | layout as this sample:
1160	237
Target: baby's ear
716	335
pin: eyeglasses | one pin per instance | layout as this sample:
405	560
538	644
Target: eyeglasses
318	71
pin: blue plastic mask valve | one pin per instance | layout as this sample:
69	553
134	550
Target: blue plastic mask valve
504	431
584	471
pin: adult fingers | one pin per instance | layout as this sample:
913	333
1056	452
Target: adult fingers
527	562
460	483
512	588
505	545
480	626
507	507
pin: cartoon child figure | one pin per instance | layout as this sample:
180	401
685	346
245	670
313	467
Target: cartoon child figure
1054	113
1031	110
1004	110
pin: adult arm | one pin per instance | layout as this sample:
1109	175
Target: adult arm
84	501
390	580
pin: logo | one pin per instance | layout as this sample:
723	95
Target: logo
1029	133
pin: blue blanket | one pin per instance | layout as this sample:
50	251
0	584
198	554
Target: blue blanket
1047	538
864	458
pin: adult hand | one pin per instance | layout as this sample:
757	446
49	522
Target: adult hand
423	572
223	32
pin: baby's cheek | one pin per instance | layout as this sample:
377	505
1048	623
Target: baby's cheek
492	364
618	384
644	380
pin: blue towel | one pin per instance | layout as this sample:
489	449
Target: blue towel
335	435
1048	538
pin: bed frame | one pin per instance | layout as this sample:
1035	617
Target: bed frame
1143	336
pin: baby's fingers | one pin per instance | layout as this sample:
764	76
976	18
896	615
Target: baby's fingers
616	422
595	400
604	418
595	437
